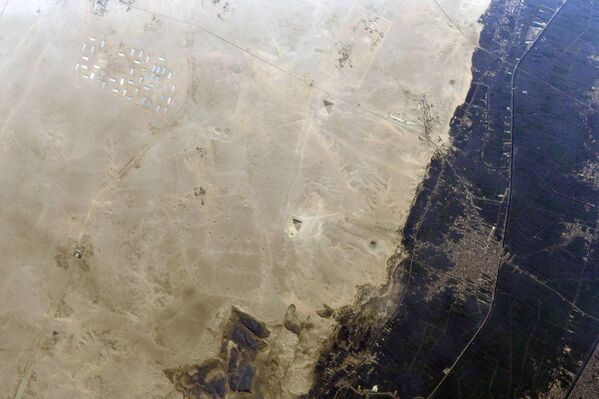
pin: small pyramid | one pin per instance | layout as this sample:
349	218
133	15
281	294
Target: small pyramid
297	224
328	106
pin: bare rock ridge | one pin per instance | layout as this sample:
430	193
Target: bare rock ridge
292	322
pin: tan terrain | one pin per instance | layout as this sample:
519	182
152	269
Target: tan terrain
164	161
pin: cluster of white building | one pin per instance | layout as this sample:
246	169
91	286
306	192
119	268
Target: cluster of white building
133	74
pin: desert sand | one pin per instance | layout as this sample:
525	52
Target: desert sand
223	154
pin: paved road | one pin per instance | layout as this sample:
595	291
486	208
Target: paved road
509	196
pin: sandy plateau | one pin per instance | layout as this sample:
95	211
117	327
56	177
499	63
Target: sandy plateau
278	174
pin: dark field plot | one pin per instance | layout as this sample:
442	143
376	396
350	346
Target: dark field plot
501	286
